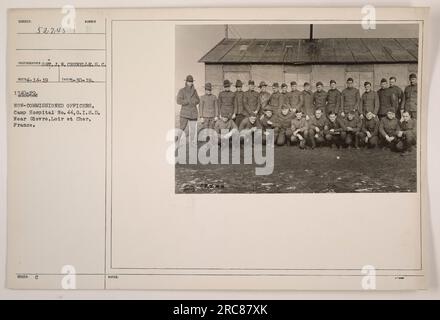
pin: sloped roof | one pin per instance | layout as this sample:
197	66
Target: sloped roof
318	51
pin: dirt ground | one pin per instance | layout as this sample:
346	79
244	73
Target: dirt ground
307	171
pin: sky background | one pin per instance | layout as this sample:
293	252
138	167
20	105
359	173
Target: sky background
194	41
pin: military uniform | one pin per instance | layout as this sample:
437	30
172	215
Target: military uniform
302	126
247	128
320	100
369	102
390	128
308	108
266	122
409	135
398	92
333	130
410	100
246	124
282	124
371	126
208	110
387	101
239	111
350	136
274	102
284	99
314	135
295	100
252	103
225	129
264	100
333	101
350	100
226	103
188	98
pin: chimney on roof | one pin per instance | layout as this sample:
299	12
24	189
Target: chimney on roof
311	33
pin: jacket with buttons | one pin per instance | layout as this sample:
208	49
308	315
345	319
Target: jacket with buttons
320	100
226	103
389	127
251	102
350	100
333	101
370	102
410	98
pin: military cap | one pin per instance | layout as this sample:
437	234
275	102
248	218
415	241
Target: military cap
189	78
332	81
383	80
262	84
350	79
251	82
208	86
283	85
226	83
319	83
413	76
366	83
293	83
275	84
238	83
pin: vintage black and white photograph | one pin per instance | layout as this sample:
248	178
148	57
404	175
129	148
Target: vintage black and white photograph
296	108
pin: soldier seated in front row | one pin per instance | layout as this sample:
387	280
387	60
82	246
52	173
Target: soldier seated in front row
283	121
248	127
351	126
407	134
368	136
225	128
316	128
299	130
267	123
388	128
332	130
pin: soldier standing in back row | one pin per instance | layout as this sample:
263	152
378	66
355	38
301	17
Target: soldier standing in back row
399	96
295	98
226	101
263	96
350	99
208	108
239	103
284	98
319	97
387	99
369	100
274	100
333	99
251	101
410	96
307	97
188	98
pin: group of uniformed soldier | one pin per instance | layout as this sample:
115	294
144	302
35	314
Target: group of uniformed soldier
384	118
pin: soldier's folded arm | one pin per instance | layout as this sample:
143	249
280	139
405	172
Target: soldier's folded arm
181	98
